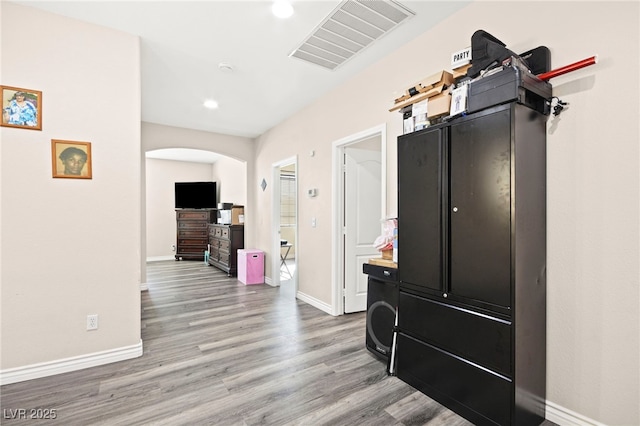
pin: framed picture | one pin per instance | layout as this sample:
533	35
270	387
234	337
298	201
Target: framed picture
21	108
71	159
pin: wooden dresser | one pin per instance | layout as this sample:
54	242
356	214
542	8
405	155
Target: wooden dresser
224	242
192	232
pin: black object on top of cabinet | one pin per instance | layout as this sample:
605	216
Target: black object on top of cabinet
472	259
511	83
506	76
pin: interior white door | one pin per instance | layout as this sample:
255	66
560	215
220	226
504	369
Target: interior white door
362	221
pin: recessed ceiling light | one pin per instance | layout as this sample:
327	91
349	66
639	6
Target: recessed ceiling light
282	9
211	104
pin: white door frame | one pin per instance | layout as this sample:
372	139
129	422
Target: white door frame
337	247
275	221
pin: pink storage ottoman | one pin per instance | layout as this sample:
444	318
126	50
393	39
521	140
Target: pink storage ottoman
251	266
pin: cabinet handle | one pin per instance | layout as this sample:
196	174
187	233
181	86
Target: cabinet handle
386	273
445	295
455	209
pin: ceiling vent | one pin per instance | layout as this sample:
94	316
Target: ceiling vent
351	27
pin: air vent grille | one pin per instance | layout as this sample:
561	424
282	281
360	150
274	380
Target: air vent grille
352	26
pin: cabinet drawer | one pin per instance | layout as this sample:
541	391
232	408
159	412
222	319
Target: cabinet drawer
485	397
477	337
380	272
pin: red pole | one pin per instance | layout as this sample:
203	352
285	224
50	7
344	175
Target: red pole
568	68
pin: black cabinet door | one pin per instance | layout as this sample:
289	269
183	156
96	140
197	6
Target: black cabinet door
420	209
480	208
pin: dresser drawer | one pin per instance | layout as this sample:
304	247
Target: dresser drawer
192	233
215	232
225	233
198	250
193	225
193	215
199	242
477	337
224	258
225	245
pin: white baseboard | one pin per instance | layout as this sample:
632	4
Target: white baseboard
315	302
565	417
45	369
160	258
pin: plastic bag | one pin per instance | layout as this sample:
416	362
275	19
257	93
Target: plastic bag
385	241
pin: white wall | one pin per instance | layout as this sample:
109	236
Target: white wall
231	176
593	351
70	247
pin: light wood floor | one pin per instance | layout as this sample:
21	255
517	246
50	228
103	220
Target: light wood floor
217	352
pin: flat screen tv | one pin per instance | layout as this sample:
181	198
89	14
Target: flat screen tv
195	195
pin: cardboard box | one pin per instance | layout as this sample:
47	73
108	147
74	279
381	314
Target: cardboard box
426	88
461	71
237	215
439	105
442	78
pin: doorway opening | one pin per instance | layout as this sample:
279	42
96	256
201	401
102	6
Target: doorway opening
285	226
359	200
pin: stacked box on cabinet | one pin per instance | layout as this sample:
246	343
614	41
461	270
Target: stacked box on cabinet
426	100
237	215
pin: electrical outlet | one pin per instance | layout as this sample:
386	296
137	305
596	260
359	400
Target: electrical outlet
173	247
92	322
